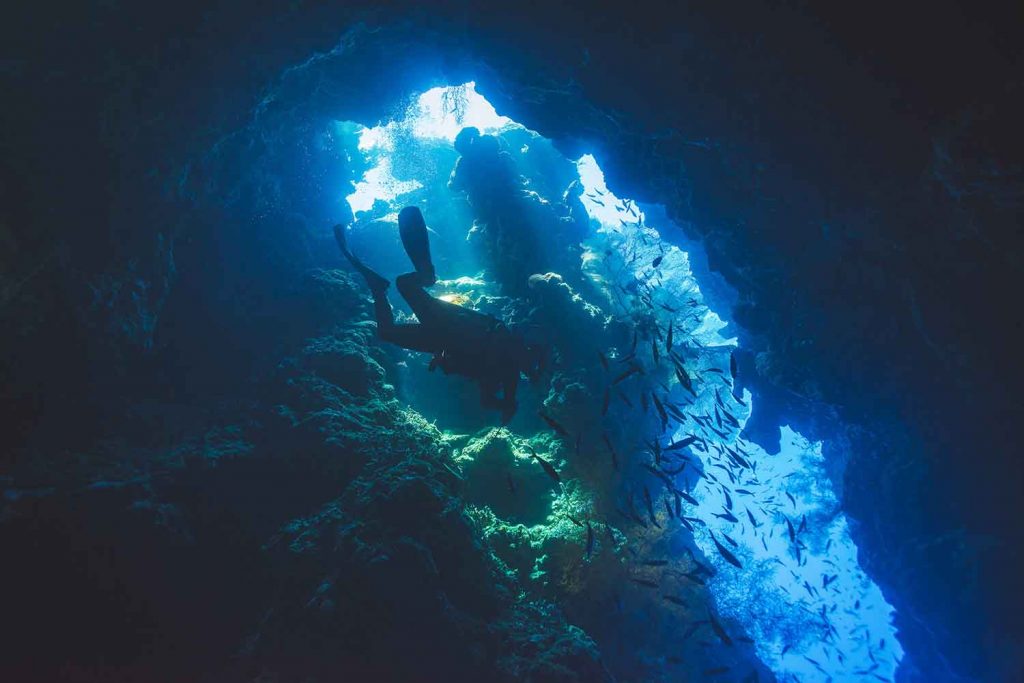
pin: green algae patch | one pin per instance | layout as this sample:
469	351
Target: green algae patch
562	554
501	474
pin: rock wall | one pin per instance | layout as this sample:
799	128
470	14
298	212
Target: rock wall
861	197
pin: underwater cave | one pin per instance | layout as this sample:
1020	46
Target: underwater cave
766	437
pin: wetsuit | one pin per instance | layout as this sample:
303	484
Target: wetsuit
463	341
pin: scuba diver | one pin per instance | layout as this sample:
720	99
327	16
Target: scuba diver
463	341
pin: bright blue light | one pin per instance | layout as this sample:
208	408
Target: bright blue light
439	113
822	609
802	627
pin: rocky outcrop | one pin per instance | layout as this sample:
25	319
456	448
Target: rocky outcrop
870	249
321	535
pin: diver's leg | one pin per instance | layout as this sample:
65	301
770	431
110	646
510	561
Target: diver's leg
374	281
409	336
383	314
413	230
426	307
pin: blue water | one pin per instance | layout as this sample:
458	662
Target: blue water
802	596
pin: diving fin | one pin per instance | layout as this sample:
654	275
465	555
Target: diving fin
413	230
375	282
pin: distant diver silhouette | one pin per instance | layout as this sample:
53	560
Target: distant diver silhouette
463	341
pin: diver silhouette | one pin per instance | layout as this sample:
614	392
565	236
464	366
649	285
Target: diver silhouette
463	341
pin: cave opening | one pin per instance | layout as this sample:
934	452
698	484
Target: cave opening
800	596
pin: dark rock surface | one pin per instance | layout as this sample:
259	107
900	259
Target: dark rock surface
232	554
855	177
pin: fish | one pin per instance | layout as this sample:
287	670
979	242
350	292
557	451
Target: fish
658	473
695	577
548	467
511	483
632	349
654	563
559	429
643	402
643	582
687	497
627	374
691	629
674	600
579	443
661	412
815	663
650	507
678	414
604	402
654	352
668	509
590	539
727	516
684	380
657	262
753	521
737	459
453	472
730	540
728	499
682	443
604	360
615	457
681	373
656	450
725	553
634	516
624	399
719	630
574	521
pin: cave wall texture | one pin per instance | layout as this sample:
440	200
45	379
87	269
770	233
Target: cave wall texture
855	174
